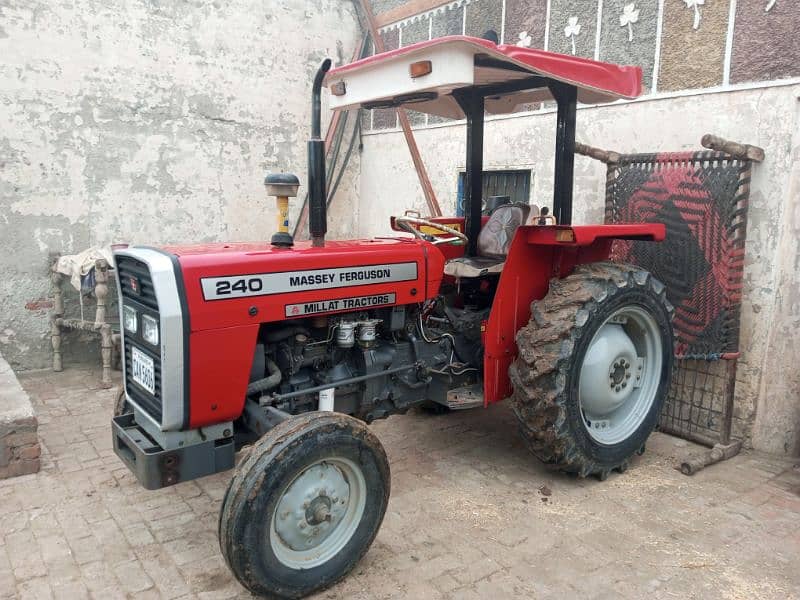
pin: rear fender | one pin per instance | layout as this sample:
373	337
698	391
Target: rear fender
538	254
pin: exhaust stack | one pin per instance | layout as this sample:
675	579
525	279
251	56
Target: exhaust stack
317	188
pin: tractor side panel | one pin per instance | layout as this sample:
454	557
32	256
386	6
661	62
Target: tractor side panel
220	361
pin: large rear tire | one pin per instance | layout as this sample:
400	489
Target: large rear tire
304	505
594	368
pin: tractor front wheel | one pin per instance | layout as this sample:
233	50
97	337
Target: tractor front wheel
304	505
594	368
121	405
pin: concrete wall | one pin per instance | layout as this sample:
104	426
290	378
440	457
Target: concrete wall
19	440
768	383
150	122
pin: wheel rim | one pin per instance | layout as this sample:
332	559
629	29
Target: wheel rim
317	513
620	375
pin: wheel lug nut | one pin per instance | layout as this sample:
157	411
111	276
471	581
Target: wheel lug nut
627	375
617	388
624	383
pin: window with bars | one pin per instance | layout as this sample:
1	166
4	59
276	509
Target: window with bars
515	183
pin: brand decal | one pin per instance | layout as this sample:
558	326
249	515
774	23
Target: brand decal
339	304
265	284
133	284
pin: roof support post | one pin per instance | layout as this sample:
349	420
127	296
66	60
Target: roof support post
473	107
567	98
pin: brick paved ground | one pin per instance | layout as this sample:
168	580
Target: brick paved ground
466	519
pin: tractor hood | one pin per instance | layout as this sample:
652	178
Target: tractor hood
458	63
233	284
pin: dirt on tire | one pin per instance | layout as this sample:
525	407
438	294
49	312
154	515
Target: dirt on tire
260	479
544	372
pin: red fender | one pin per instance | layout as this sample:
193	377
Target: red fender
538	254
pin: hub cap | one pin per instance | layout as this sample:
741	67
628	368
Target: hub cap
318	513
620	374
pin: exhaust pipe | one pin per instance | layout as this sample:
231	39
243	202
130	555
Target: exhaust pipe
317	193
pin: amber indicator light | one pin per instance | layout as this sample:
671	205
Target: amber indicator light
420	68
338	88
565	235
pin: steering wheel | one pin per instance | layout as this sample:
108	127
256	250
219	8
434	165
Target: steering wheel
405	223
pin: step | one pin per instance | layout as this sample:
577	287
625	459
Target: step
470	396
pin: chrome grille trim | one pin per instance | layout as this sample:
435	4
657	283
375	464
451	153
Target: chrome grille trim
168	305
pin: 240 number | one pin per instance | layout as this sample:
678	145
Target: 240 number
241	286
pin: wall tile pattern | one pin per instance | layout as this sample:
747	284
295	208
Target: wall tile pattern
526	22
767	43
579	19
628	35
483	16
693	57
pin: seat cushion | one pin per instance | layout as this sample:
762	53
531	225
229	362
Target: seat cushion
473	266
495	237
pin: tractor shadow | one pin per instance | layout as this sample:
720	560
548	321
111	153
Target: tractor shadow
477	456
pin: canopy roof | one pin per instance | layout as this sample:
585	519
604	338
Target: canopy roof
468	64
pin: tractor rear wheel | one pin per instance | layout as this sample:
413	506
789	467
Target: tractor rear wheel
305	505
593	368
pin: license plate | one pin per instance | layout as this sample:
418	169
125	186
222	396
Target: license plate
144	372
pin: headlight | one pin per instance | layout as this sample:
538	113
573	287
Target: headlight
129	319
150	330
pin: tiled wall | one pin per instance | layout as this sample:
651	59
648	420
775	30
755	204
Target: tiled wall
680	44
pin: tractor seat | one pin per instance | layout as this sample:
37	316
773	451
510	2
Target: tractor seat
494	241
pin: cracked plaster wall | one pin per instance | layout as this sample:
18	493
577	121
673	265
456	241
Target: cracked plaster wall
148	122
768	380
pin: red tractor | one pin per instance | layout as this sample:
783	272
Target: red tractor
291	347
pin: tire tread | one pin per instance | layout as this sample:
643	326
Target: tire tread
546	348
275	443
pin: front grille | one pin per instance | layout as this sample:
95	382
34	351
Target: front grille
145	303
129	269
